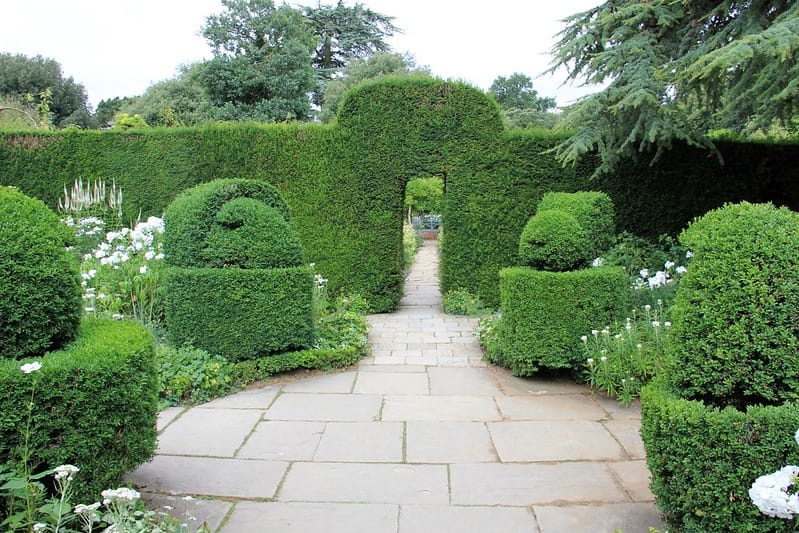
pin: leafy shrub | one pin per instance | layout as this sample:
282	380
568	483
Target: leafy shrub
593	210
462	302
545	313
249	234
555	241
40	293
240	313
423	195
703	459
95	405
736	314
411	241
191	375
193	214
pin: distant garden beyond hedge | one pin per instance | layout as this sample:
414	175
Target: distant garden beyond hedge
345	183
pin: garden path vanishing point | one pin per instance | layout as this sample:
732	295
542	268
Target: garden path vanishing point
422	436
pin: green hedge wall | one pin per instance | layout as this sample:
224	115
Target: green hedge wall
94	405
345	183
703	460
544	314
216	309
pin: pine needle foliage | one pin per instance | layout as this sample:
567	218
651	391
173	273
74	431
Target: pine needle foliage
675	69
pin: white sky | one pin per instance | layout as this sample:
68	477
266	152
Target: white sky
121	47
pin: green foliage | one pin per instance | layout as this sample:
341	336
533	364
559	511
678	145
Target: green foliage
41	79
191	375
462	302
696	68
239	313
423	195
411	241
98	396
736	315
553	240
200	218
520	103
545	313
704	459
123	121
593	210
249	234
40	286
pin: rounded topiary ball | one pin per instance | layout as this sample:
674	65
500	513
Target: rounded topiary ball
40	292
250	234
735	336
554	241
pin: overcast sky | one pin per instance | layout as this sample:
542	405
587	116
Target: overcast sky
121	47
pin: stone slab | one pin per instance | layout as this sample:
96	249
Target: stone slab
209	432
234	478
312	517
392	368
260	398
193	512
635	477
325	407
616	410
513	386
463	381
533	484
366	483
452	519
627	517
392	383
464	408
448	442
556	407
627	432
283	440
166	416
570	440
341	383
361	442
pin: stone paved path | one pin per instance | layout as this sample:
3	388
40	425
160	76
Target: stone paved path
420	437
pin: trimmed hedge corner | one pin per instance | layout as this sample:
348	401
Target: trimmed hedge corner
95	405
545	313
594	212
703	460
239	313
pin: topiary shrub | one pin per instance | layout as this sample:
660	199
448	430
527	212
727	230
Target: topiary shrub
736	313
95	404
40	293
545	313
593	210
241	291
726	411
554	241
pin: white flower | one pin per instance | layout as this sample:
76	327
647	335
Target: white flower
644	273
122	494
667	324
590	360
584	338
86	509
595	332
598	262
796	436
628	326
681	270
143	269
617	336
149	254
89	309
118	316
159	256
31	367
655	324
669	264
39	527
658	280
648	307
603	358
66	471
770	493
639	345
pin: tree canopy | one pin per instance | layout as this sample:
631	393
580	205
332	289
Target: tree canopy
521	106
24	78
675	69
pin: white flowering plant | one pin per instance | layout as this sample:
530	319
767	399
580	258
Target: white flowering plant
777	494
121	275
619	360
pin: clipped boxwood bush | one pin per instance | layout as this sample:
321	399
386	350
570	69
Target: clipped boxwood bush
545	313
95	404
593	210
553	240
40	293
704	459
736	313
240	313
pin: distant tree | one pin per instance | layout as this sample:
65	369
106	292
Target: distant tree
423	195
123	121
180	101
359	70
520	104
29	77
674	70
107	109
344	34
262	66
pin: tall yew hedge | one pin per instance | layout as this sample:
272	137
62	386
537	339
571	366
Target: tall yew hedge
345	183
